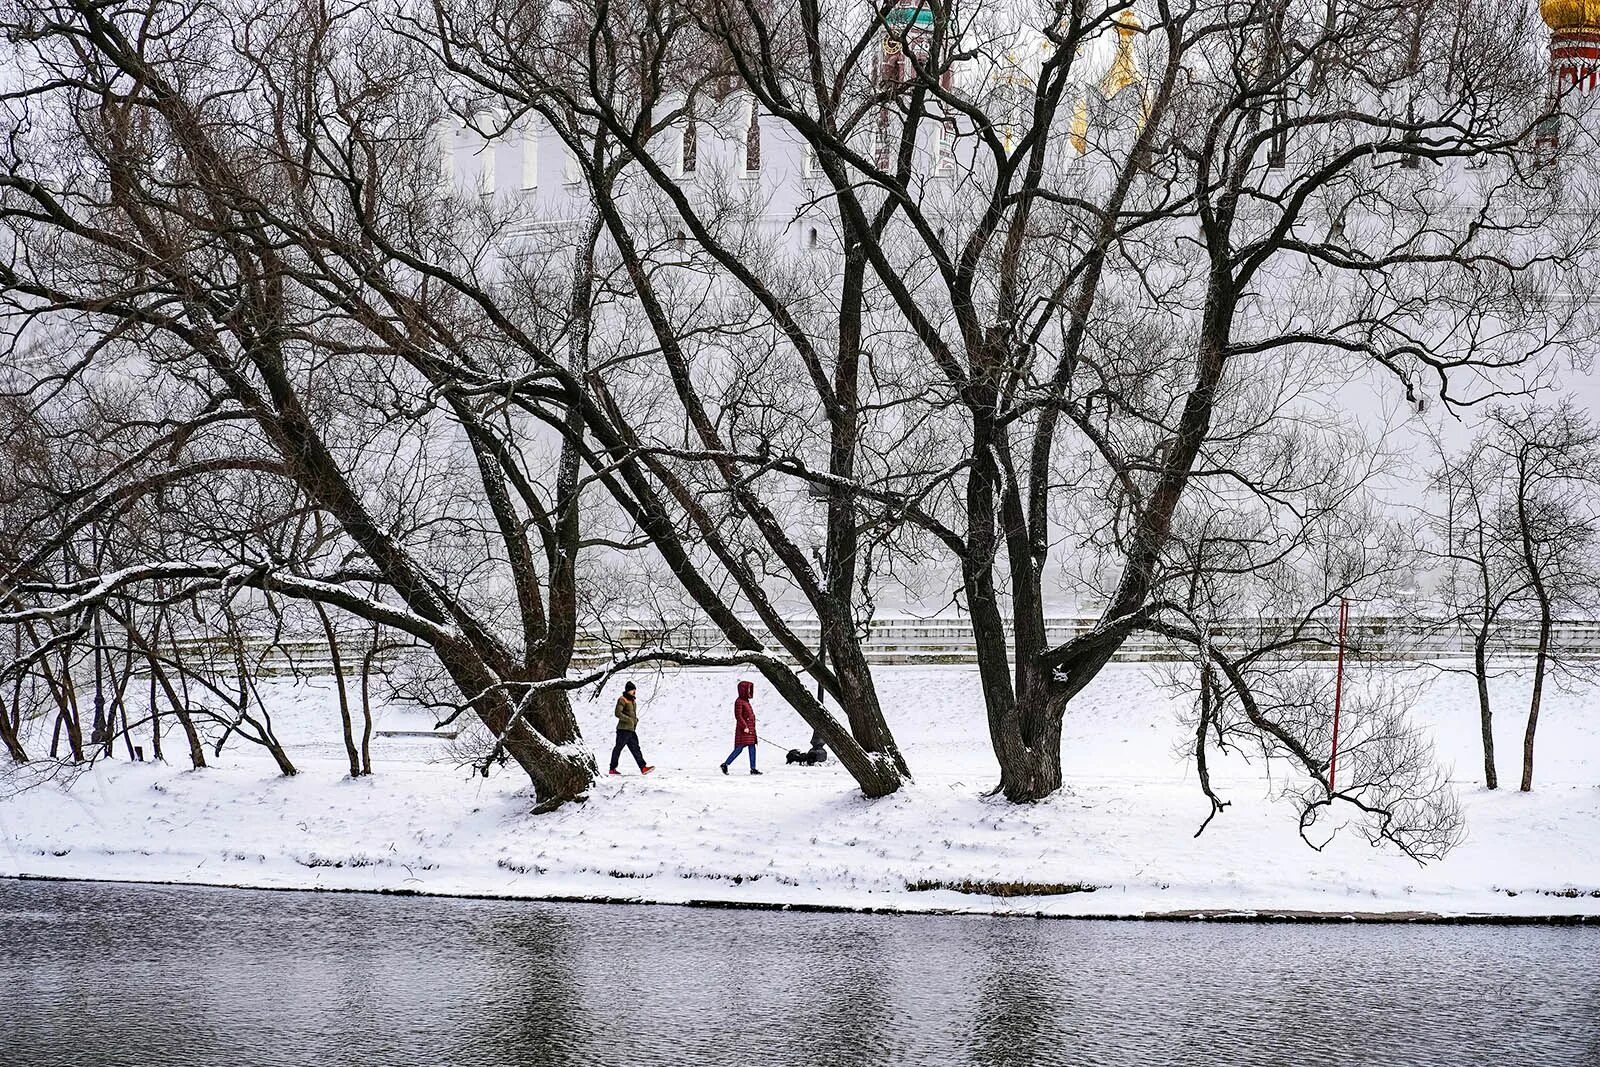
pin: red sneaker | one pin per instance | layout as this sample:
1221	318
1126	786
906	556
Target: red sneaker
646	769
613	771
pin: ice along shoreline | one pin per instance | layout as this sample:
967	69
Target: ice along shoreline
1183	915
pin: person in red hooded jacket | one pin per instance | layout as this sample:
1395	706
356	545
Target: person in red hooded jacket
744	727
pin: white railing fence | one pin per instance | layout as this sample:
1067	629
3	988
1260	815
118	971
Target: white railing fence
950	641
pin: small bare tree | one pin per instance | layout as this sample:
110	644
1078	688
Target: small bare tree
1258	625
1482	578
1520	539
1554	458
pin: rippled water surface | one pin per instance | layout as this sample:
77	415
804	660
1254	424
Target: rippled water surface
100	975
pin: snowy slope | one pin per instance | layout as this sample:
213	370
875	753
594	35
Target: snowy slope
800	835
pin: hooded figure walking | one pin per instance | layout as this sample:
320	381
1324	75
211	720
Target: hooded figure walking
744	727
627	713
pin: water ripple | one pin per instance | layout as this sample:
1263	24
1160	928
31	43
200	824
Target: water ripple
107	975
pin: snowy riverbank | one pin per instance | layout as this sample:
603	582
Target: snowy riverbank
804	836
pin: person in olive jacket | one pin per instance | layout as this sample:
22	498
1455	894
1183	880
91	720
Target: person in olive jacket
627	713
744	727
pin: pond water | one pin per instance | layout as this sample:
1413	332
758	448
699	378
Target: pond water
98	975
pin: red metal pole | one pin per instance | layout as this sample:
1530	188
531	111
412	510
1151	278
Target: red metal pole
1338	689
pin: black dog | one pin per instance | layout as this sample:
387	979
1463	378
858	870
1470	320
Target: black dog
807	759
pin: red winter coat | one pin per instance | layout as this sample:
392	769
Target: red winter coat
744	716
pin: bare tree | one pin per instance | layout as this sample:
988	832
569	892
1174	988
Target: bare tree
302	308
1520	535
156	228
718	480
1481	579
1259	632
1554	458
1232	210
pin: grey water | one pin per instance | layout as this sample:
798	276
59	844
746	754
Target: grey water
101	975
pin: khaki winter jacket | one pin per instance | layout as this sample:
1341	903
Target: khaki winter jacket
627	713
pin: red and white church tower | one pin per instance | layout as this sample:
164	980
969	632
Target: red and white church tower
1574	45
1574	83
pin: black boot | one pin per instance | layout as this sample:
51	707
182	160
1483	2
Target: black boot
724	767
754	771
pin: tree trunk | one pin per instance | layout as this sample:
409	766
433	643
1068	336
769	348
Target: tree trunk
155	708
67	702
16	685
1035	771
1031	768
155	723
559	777
344	697
544	741
1480	669
197	752
1540	664
858	697
836	616
552	716
119	703
102	733
1025	722
876	776
248	692
8	734
281	758
366	705
74	732
1024	771
197	749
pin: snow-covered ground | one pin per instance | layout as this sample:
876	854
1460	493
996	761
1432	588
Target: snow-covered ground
805	836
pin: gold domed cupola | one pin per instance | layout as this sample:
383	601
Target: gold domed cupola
1568	16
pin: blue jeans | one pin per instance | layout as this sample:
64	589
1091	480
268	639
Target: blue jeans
627	739
735	755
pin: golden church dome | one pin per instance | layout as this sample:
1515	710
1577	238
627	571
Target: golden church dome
1124	70
1570	15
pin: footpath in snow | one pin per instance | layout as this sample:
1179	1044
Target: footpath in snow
1123	830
